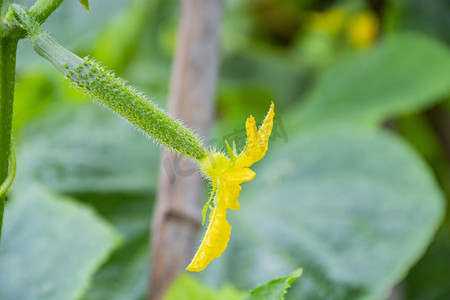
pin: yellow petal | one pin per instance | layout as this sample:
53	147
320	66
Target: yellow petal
257	141
252	133
229	187
238	175
265	130
214	242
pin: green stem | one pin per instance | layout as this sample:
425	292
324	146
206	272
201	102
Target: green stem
8	47
42	9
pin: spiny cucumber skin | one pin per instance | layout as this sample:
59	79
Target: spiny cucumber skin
113	92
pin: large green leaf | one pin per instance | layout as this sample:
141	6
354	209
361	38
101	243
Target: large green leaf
404	73
128	266
51	247
355	209
89	153
85	149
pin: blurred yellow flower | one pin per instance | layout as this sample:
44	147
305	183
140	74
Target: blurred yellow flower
330	21
363	30
226	175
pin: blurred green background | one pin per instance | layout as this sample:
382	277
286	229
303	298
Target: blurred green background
353	189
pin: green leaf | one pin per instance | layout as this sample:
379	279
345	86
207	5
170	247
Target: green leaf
128	266
86	149
85	4
89	153
370	87
354	208
37	91
274	289
428	17
118	42
51	246
186	287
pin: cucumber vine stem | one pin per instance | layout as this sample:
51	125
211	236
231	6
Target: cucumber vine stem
42	9
8	49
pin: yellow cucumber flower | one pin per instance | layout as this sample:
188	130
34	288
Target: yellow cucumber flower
363	30
226	175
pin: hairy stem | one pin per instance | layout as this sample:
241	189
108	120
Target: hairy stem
42	9
8	47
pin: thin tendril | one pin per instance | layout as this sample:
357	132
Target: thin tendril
206	206
11	172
